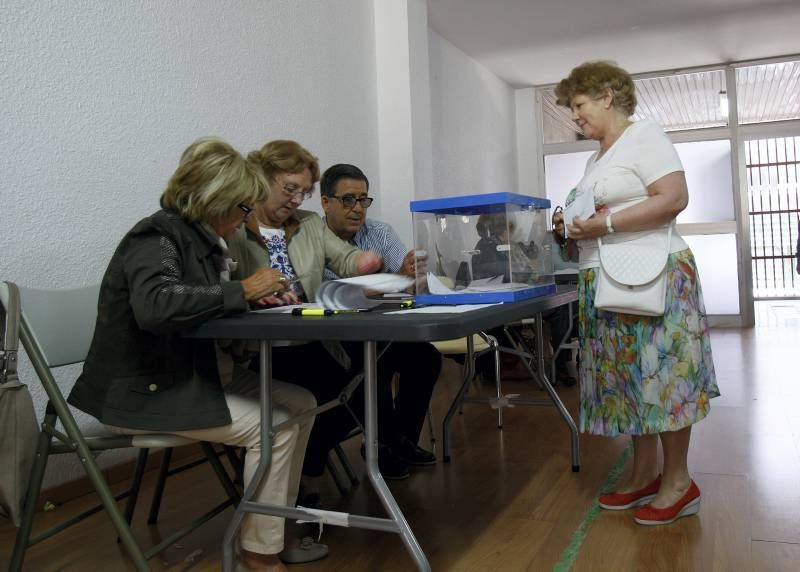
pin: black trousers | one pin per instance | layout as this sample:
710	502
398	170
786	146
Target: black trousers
311	366
558	320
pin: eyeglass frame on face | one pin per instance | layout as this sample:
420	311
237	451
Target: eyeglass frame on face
292	193
348	198
246	211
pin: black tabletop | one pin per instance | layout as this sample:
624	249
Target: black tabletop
379	325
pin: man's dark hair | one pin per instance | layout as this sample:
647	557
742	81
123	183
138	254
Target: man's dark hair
333	174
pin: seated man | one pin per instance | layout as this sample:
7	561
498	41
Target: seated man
344	191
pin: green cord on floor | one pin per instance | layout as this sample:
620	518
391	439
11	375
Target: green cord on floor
570	553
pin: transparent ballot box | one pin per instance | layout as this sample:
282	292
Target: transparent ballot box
478	249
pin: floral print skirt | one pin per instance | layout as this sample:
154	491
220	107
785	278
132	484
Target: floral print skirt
641	374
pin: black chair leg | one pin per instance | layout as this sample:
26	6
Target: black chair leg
136	485
236	464
348	468
222	475
163	471
337	478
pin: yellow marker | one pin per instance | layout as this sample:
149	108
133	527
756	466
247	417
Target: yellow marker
324	312
311	312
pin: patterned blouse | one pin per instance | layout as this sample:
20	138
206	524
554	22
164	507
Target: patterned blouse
275	241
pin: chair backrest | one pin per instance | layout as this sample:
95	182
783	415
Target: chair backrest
60	322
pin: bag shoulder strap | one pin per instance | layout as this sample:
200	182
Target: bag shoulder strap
9	336
669	237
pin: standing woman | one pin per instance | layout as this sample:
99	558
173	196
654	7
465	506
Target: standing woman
648	377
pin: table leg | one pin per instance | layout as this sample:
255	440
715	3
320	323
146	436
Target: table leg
265	378
469	373
371	445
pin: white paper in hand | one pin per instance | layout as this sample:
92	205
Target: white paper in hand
579	203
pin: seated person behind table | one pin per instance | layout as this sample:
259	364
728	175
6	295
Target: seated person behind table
488	261
168	275
299	244
344	192
558	318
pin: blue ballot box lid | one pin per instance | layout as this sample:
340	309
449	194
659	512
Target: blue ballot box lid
477	204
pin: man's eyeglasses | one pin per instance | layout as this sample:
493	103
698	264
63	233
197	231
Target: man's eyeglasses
246	210
349	201
292	191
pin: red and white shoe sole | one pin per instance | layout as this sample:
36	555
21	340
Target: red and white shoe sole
690	509
638	502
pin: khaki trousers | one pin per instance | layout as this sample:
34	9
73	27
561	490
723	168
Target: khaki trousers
259	533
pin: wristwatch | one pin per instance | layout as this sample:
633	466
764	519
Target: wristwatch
609	228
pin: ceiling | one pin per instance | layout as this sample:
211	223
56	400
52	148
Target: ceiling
537	42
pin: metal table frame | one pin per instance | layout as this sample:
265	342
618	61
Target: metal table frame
369	328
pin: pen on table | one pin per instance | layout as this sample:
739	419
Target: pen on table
324	311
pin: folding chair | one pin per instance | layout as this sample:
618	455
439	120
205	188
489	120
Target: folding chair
56	328
481	343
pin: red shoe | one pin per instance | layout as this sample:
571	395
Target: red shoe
688	505
624	501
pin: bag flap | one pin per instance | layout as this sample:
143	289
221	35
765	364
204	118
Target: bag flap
637	261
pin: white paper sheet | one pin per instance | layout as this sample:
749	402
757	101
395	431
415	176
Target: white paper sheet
579	203
460	309
285	309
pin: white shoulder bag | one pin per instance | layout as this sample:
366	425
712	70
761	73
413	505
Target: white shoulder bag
632	276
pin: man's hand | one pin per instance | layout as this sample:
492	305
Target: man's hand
558	226
409	267
368	262
264	282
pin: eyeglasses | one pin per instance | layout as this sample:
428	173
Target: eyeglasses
292	191
349	201
245	209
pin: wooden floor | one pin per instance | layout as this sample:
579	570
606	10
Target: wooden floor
508	500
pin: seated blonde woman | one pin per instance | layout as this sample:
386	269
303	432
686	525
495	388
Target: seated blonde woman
170	273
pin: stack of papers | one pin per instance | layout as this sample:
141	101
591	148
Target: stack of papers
348	293
493	284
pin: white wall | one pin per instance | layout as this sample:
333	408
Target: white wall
403	103
99	100
472	122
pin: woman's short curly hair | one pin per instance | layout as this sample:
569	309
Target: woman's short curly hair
284	156
211	180
593	78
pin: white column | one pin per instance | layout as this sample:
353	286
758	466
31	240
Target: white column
530	163
404	111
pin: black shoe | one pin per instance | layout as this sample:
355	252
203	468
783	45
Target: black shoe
391	466
412	453
564	378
